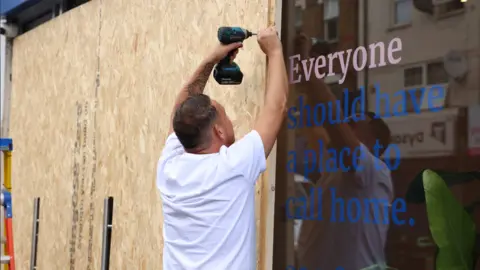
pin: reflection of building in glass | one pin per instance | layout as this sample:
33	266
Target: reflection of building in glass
332	24
440	49
440	46
434	59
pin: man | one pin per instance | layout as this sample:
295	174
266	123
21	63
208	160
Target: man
206	179
352	245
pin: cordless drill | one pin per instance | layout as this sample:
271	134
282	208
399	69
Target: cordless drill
226	72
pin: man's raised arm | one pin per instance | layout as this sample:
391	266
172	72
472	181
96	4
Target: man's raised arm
196	83
276	94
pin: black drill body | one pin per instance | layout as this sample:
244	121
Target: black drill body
226	72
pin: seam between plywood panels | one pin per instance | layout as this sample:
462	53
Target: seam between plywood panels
268	191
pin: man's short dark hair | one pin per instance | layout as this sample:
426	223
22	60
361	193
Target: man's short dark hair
380	130
193	119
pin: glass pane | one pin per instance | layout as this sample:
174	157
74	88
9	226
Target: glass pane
436	73
420	192
403	11
415	97
337	90
332	29
330	9
298	16
301	4
413	76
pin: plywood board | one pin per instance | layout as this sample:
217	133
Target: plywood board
92	92
53	79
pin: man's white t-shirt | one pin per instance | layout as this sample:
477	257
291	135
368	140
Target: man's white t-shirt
209	205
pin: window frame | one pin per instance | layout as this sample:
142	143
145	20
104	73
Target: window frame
326	21
394	22
424	84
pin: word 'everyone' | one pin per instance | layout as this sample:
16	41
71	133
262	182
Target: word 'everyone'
359	61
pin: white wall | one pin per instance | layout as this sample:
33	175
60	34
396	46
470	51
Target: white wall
426	39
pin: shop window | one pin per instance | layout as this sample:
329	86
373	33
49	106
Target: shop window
402	12
313	227
330	16
420	79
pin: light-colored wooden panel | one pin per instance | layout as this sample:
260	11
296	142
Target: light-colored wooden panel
94	87
143	64
53	80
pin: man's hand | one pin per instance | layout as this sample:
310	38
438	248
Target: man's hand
269	41
307	48
220	51
303	45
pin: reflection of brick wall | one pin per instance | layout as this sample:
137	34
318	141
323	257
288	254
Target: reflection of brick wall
313	26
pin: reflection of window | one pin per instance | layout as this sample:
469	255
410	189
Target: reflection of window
298	17
413	77
330	17
402	12
445	7
423	76
300	6
436	73
427	74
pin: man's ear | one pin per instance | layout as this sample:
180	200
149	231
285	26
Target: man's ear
219	131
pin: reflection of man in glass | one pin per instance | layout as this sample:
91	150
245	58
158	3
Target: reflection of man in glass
352	244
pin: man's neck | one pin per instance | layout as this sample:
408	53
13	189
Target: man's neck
212	149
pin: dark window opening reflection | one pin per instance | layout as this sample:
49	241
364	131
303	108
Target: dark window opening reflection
426	214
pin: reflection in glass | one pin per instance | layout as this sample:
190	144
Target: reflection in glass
413	77
403	12
427	98
330	17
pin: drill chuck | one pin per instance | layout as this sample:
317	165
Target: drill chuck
229	35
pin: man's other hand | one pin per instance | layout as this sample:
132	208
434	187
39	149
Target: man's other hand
307	48
269	41
303	45
220	51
